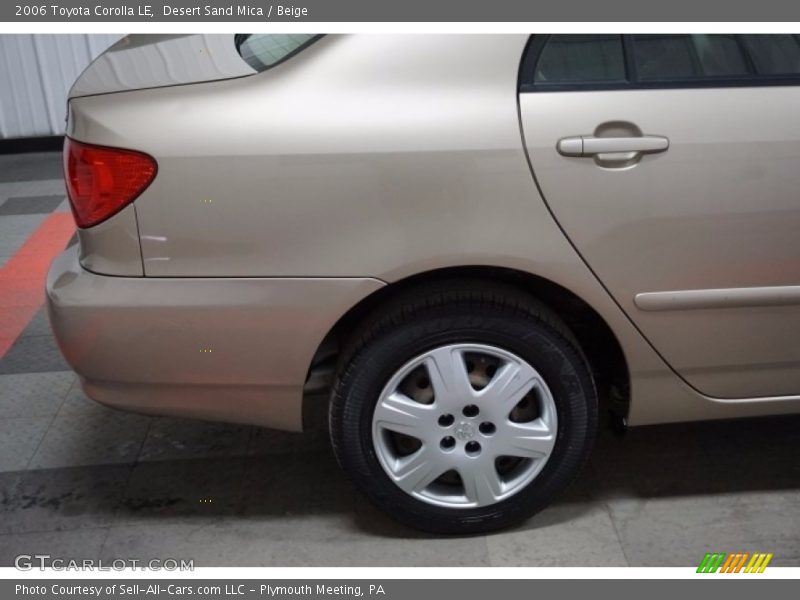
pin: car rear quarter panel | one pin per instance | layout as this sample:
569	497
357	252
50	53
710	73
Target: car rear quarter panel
401	144
216	348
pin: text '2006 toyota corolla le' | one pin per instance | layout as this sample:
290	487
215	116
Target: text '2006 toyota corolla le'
470	241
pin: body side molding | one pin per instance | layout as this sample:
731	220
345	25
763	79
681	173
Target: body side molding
719	298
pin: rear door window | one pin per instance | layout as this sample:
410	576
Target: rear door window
664	57
653	61
775	54
581	59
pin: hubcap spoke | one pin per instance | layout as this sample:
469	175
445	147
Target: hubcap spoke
417	471
508	387
449	378
525	440
482	485
397	412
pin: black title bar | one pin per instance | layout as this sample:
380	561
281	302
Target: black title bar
332	11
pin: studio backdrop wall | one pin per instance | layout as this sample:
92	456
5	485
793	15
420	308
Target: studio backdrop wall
36	72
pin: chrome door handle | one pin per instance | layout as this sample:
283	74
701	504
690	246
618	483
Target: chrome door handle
611	147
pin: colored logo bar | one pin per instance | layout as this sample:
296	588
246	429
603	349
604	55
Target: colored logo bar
737	562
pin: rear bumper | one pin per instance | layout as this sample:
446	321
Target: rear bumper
222	349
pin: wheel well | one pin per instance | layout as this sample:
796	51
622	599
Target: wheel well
597	340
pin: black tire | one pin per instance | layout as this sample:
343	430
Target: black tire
450	312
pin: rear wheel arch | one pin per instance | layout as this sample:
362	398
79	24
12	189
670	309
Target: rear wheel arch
596	339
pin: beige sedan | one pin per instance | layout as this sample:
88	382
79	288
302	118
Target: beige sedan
461	249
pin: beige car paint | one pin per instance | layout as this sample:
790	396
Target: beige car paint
112	247
717	210
298	192
222	349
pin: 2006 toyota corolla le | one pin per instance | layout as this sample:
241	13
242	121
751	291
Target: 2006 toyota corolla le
471	240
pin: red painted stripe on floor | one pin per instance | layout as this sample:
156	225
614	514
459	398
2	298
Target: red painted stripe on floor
23	276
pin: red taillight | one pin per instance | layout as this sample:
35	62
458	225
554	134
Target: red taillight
102	181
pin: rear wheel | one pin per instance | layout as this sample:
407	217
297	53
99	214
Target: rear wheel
461	411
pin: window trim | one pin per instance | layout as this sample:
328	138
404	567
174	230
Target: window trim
536	43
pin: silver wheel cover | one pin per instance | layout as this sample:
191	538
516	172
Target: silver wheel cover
464	426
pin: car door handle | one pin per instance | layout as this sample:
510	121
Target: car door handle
611	147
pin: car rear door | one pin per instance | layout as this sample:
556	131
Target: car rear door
672	162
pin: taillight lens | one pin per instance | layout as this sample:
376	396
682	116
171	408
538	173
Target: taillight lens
101	181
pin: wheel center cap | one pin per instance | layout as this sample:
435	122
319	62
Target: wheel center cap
465	431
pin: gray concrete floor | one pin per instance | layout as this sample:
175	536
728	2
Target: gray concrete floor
78	480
